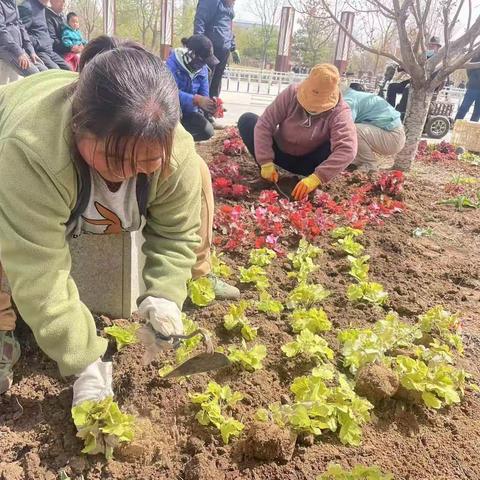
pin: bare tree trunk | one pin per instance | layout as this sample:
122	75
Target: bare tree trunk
417	110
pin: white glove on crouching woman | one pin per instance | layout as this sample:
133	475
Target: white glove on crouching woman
162	316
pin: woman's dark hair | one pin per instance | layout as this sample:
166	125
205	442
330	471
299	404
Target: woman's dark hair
357	86
104	43
70	15
125	92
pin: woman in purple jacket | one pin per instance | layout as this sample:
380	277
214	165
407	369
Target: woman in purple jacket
307	130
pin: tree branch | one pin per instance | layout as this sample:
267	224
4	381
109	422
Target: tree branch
356	41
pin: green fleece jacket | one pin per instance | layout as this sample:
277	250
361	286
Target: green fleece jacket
38	190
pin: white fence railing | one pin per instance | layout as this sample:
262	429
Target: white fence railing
269	82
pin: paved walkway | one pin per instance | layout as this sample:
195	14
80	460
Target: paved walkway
239	103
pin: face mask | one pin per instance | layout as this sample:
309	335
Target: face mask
192	62
430	53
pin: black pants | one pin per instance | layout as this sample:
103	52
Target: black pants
53	60
300	165
13	61
198	126
217	75
395	89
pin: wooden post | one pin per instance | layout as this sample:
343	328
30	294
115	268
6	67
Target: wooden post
342	49
282	63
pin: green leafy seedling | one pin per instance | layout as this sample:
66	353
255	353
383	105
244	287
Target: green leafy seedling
460	202
249	359
256	275
219	267
310	345
440	322
268	305
369	292
342	232
359	267
123	335
313	319
201	291
359	472
306	295
422	232
262	257
439	384
102	426
236	319
350	246
213	402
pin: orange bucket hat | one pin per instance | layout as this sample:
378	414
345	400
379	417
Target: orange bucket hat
321	90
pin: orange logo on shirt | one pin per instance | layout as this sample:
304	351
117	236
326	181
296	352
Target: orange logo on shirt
110	220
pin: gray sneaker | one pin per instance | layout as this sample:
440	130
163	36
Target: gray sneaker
9	355
223	291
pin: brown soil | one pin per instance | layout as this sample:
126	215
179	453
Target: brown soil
267	441
376	382
37	437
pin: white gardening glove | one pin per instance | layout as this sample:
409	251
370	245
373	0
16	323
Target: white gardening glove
94	383
164	317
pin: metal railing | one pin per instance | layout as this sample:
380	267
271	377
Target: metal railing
271	83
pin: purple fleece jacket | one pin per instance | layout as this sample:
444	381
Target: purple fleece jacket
286	122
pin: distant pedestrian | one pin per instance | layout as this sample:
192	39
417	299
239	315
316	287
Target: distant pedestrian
461	84
214	19
472	95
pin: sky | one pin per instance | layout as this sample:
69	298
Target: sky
242	13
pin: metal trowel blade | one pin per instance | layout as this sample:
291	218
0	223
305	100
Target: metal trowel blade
204	362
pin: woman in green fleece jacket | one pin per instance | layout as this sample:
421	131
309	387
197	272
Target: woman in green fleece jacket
93	154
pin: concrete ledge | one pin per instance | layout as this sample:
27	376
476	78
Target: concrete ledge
107	271
8	74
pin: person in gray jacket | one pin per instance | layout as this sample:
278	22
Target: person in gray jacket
16	49
32	14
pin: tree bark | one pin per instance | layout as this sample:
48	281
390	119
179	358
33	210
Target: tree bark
415	117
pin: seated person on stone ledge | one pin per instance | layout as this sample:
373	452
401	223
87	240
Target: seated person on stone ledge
15	46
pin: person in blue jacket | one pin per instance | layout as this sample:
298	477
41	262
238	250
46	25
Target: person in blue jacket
379	127
189	67
214	19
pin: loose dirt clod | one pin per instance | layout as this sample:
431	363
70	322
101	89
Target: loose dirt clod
376	382
145	445
11	471
268	442
202	468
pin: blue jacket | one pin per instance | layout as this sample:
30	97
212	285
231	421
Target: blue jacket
189	84
372	109
71	37
215	20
